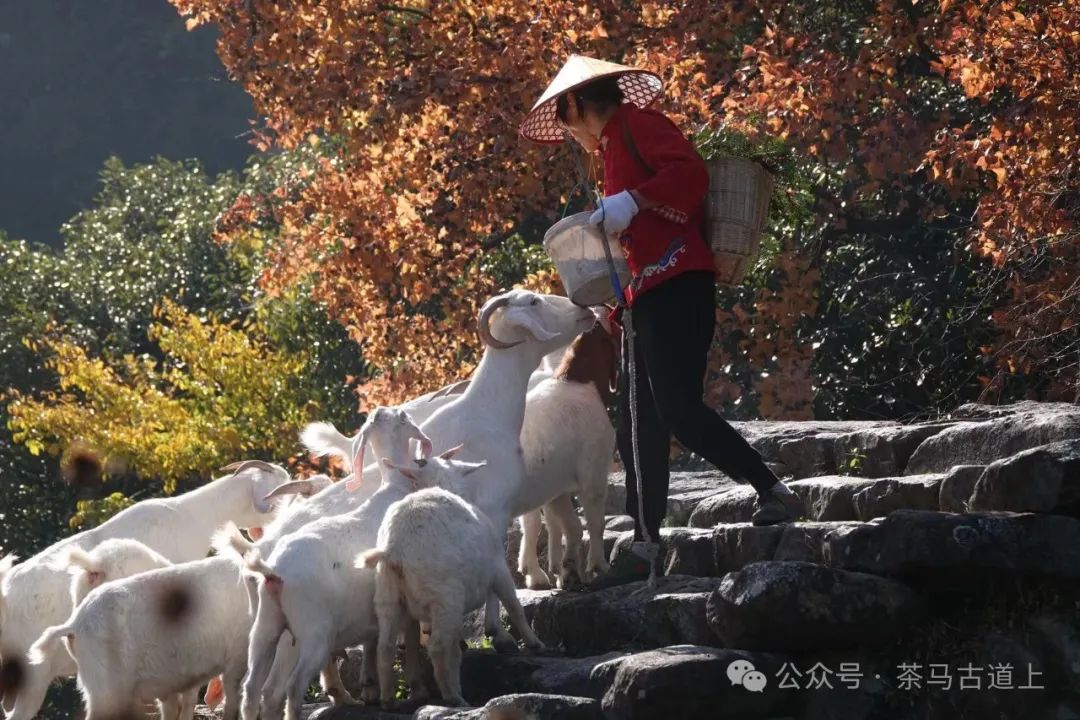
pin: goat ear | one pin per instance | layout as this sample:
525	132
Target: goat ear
425	446
449	454
470	468
529	322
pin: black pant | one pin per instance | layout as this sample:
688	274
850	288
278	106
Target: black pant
674	324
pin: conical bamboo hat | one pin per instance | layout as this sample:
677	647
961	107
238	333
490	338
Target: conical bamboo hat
640	87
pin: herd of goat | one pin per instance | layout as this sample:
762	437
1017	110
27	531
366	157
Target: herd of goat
139	613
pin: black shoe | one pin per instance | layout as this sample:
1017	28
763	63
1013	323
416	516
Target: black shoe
629	566
773	509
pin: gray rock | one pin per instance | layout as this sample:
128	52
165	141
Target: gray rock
995	435
806	449
612	619
689	551
619	523
1057	641
805	541
799	606
520	707
997	648
688	681
917	544
734	505
956	488
1043	479
679	619
867	697
326	711
980	411
486	674
881	451
685	491
739	544
830	498
914	492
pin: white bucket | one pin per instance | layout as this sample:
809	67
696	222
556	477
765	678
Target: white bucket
577	248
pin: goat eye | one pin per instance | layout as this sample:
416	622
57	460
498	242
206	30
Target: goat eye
535	301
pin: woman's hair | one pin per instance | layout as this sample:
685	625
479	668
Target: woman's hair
598	96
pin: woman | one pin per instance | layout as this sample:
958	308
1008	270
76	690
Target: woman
655	185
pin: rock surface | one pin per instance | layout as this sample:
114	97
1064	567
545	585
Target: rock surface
597	622
882	451
1043	479
685	491
520	707
798	606
917	544
956	487
995	434
688	682
915	492
830	498
485	674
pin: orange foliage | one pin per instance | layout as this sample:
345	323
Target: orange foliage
427	96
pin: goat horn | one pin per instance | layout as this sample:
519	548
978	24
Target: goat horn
241	466
293	487
485	330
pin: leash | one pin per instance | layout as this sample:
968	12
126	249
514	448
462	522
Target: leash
651	546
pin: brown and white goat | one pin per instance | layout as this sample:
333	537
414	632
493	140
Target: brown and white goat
568	441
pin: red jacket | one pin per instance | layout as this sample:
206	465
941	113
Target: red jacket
664	241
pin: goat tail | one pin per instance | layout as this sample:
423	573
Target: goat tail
369	558
229	541
48	644
75	559
322	438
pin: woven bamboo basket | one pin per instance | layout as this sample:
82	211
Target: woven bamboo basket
738	203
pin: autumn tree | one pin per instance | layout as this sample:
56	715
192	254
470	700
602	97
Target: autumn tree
953	120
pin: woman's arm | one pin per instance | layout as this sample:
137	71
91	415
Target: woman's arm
681	179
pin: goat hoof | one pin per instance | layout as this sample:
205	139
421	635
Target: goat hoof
537	582
340	696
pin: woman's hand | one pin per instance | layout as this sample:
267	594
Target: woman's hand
575	125
615	213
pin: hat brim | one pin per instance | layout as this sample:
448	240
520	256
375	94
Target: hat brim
541	125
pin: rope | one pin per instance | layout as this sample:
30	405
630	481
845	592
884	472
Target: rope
651	546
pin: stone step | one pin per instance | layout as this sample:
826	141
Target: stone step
667	682
713	552
627	616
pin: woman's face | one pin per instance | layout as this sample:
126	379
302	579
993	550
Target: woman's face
585	127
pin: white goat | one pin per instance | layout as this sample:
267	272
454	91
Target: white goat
111	560
569	443
310	588
35	595
157	635
324	439
519	329
438	557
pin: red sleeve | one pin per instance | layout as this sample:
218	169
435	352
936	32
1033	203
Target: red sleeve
680	178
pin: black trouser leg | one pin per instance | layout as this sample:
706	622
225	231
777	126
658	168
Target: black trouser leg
654	441
675	323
